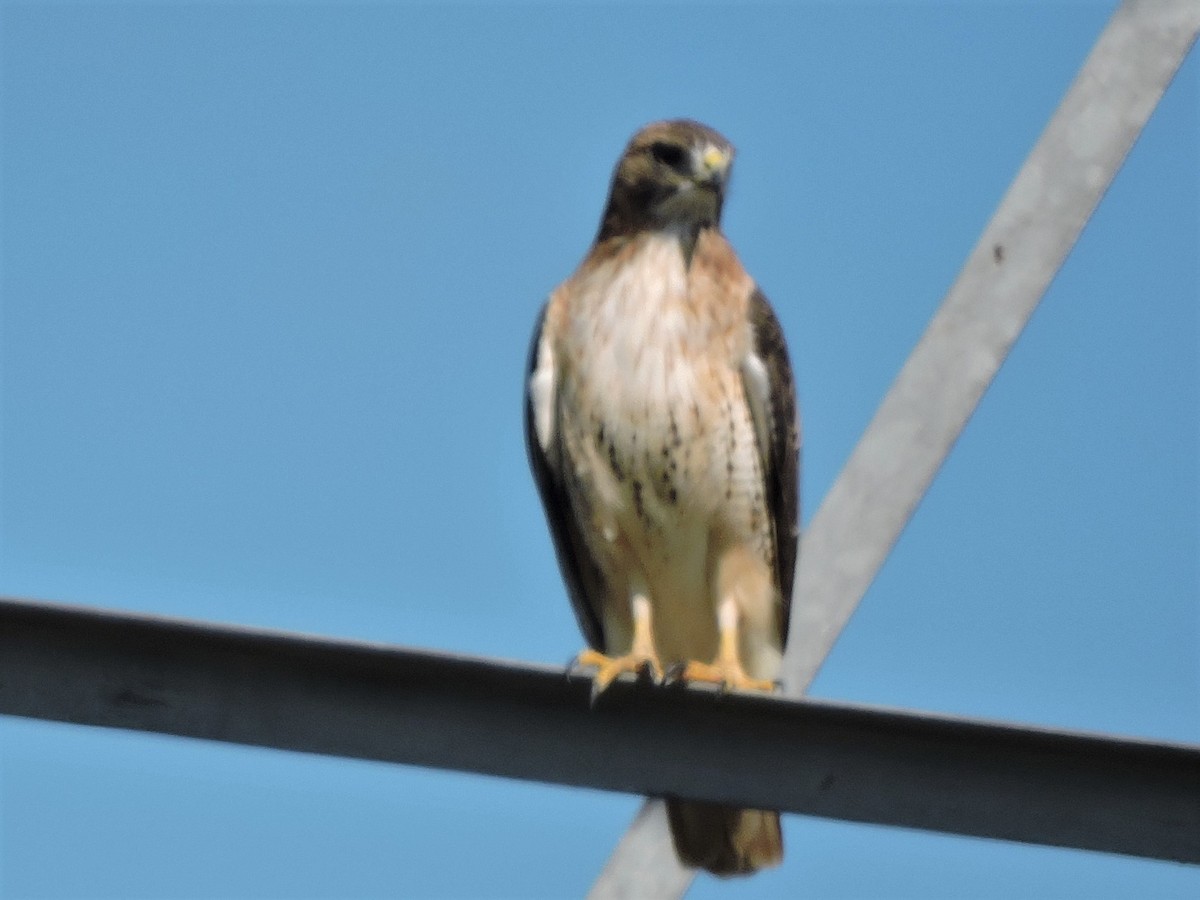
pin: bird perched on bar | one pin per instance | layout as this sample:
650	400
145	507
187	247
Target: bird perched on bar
661	426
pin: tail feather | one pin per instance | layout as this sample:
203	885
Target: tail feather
725	840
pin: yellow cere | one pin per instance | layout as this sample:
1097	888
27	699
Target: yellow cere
715	158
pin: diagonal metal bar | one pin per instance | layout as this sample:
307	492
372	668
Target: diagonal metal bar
925	410
373	701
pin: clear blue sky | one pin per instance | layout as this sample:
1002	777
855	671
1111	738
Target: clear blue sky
268	275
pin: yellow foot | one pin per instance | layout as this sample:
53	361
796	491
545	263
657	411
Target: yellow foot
728	674
609	667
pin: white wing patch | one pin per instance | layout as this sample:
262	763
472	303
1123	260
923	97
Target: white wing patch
758	392
541	396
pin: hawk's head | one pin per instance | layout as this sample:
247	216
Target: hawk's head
671	177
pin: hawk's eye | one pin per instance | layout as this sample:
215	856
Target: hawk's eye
667	154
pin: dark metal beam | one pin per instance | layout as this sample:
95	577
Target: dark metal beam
373	701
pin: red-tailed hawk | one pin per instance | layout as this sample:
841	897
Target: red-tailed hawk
662	431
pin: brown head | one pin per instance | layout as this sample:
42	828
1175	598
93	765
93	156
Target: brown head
671	177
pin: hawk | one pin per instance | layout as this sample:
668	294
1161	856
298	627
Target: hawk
660	421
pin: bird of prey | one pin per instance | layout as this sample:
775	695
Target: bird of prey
661	426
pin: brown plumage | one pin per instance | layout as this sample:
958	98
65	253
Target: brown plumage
662	432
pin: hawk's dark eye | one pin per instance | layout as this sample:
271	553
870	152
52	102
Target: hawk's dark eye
667	154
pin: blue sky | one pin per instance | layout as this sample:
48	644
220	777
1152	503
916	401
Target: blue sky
267	275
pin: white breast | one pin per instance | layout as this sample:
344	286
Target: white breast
658	431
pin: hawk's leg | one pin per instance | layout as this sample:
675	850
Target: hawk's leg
726	670
642	657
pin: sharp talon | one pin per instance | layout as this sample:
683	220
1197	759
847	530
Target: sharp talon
643	666
673	673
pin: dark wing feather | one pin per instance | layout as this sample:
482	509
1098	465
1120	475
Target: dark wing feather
782	456
585	583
